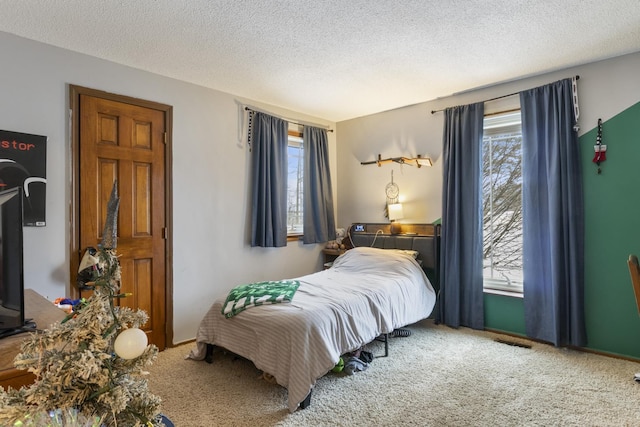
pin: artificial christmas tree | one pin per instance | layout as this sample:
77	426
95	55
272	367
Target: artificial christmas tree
79	369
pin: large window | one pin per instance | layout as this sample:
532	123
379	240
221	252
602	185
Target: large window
502	202
294	184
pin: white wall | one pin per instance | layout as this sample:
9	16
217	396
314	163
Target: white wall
605	88
210	175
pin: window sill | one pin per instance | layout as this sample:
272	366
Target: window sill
294	237
513	294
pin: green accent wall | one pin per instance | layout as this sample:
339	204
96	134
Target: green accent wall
612	232
504	313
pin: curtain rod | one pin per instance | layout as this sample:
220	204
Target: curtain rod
290	121
492	99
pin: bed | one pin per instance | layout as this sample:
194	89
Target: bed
367	293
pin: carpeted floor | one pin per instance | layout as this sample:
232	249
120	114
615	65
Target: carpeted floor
438	376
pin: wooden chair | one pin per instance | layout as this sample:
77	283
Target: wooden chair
634	270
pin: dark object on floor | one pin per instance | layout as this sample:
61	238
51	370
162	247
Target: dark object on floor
401	332
354	365
513	343
366	356
166	421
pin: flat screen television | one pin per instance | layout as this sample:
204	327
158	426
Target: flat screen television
12	318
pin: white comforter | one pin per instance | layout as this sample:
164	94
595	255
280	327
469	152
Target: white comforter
367	292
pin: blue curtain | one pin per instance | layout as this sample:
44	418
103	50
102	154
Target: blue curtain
319	221
553	217
269	141
461	294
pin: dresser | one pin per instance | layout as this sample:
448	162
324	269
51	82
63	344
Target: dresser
330	255
44	313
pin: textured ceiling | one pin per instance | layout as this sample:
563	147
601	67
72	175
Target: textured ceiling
335	59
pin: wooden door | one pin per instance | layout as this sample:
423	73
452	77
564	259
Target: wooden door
118	139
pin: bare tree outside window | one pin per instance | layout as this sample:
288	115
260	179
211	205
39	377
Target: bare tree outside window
502	203
294	185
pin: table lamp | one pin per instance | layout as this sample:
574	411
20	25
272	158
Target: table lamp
395	213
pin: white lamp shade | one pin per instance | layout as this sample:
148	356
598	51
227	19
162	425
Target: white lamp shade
130	343
395	211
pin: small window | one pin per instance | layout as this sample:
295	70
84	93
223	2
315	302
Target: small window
295	194
502	202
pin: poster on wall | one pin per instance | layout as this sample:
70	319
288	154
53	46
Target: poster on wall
23	163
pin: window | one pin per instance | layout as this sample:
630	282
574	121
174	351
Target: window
502	202
294	184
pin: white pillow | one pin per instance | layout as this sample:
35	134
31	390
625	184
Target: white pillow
413	254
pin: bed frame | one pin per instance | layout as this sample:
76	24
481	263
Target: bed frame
424	238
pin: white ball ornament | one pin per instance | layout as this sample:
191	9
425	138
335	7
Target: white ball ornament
130	343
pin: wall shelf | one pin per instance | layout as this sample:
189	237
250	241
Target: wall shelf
418	161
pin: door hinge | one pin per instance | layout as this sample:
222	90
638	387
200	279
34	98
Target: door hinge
165	233
165	138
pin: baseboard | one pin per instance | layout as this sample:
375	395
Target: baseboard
583	349
178	344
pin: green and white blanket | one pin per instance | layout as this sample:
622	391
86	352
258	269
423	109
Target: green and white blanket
253	294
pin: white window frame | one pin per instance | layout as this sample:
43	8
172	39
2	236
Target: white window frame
295	192
497	125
